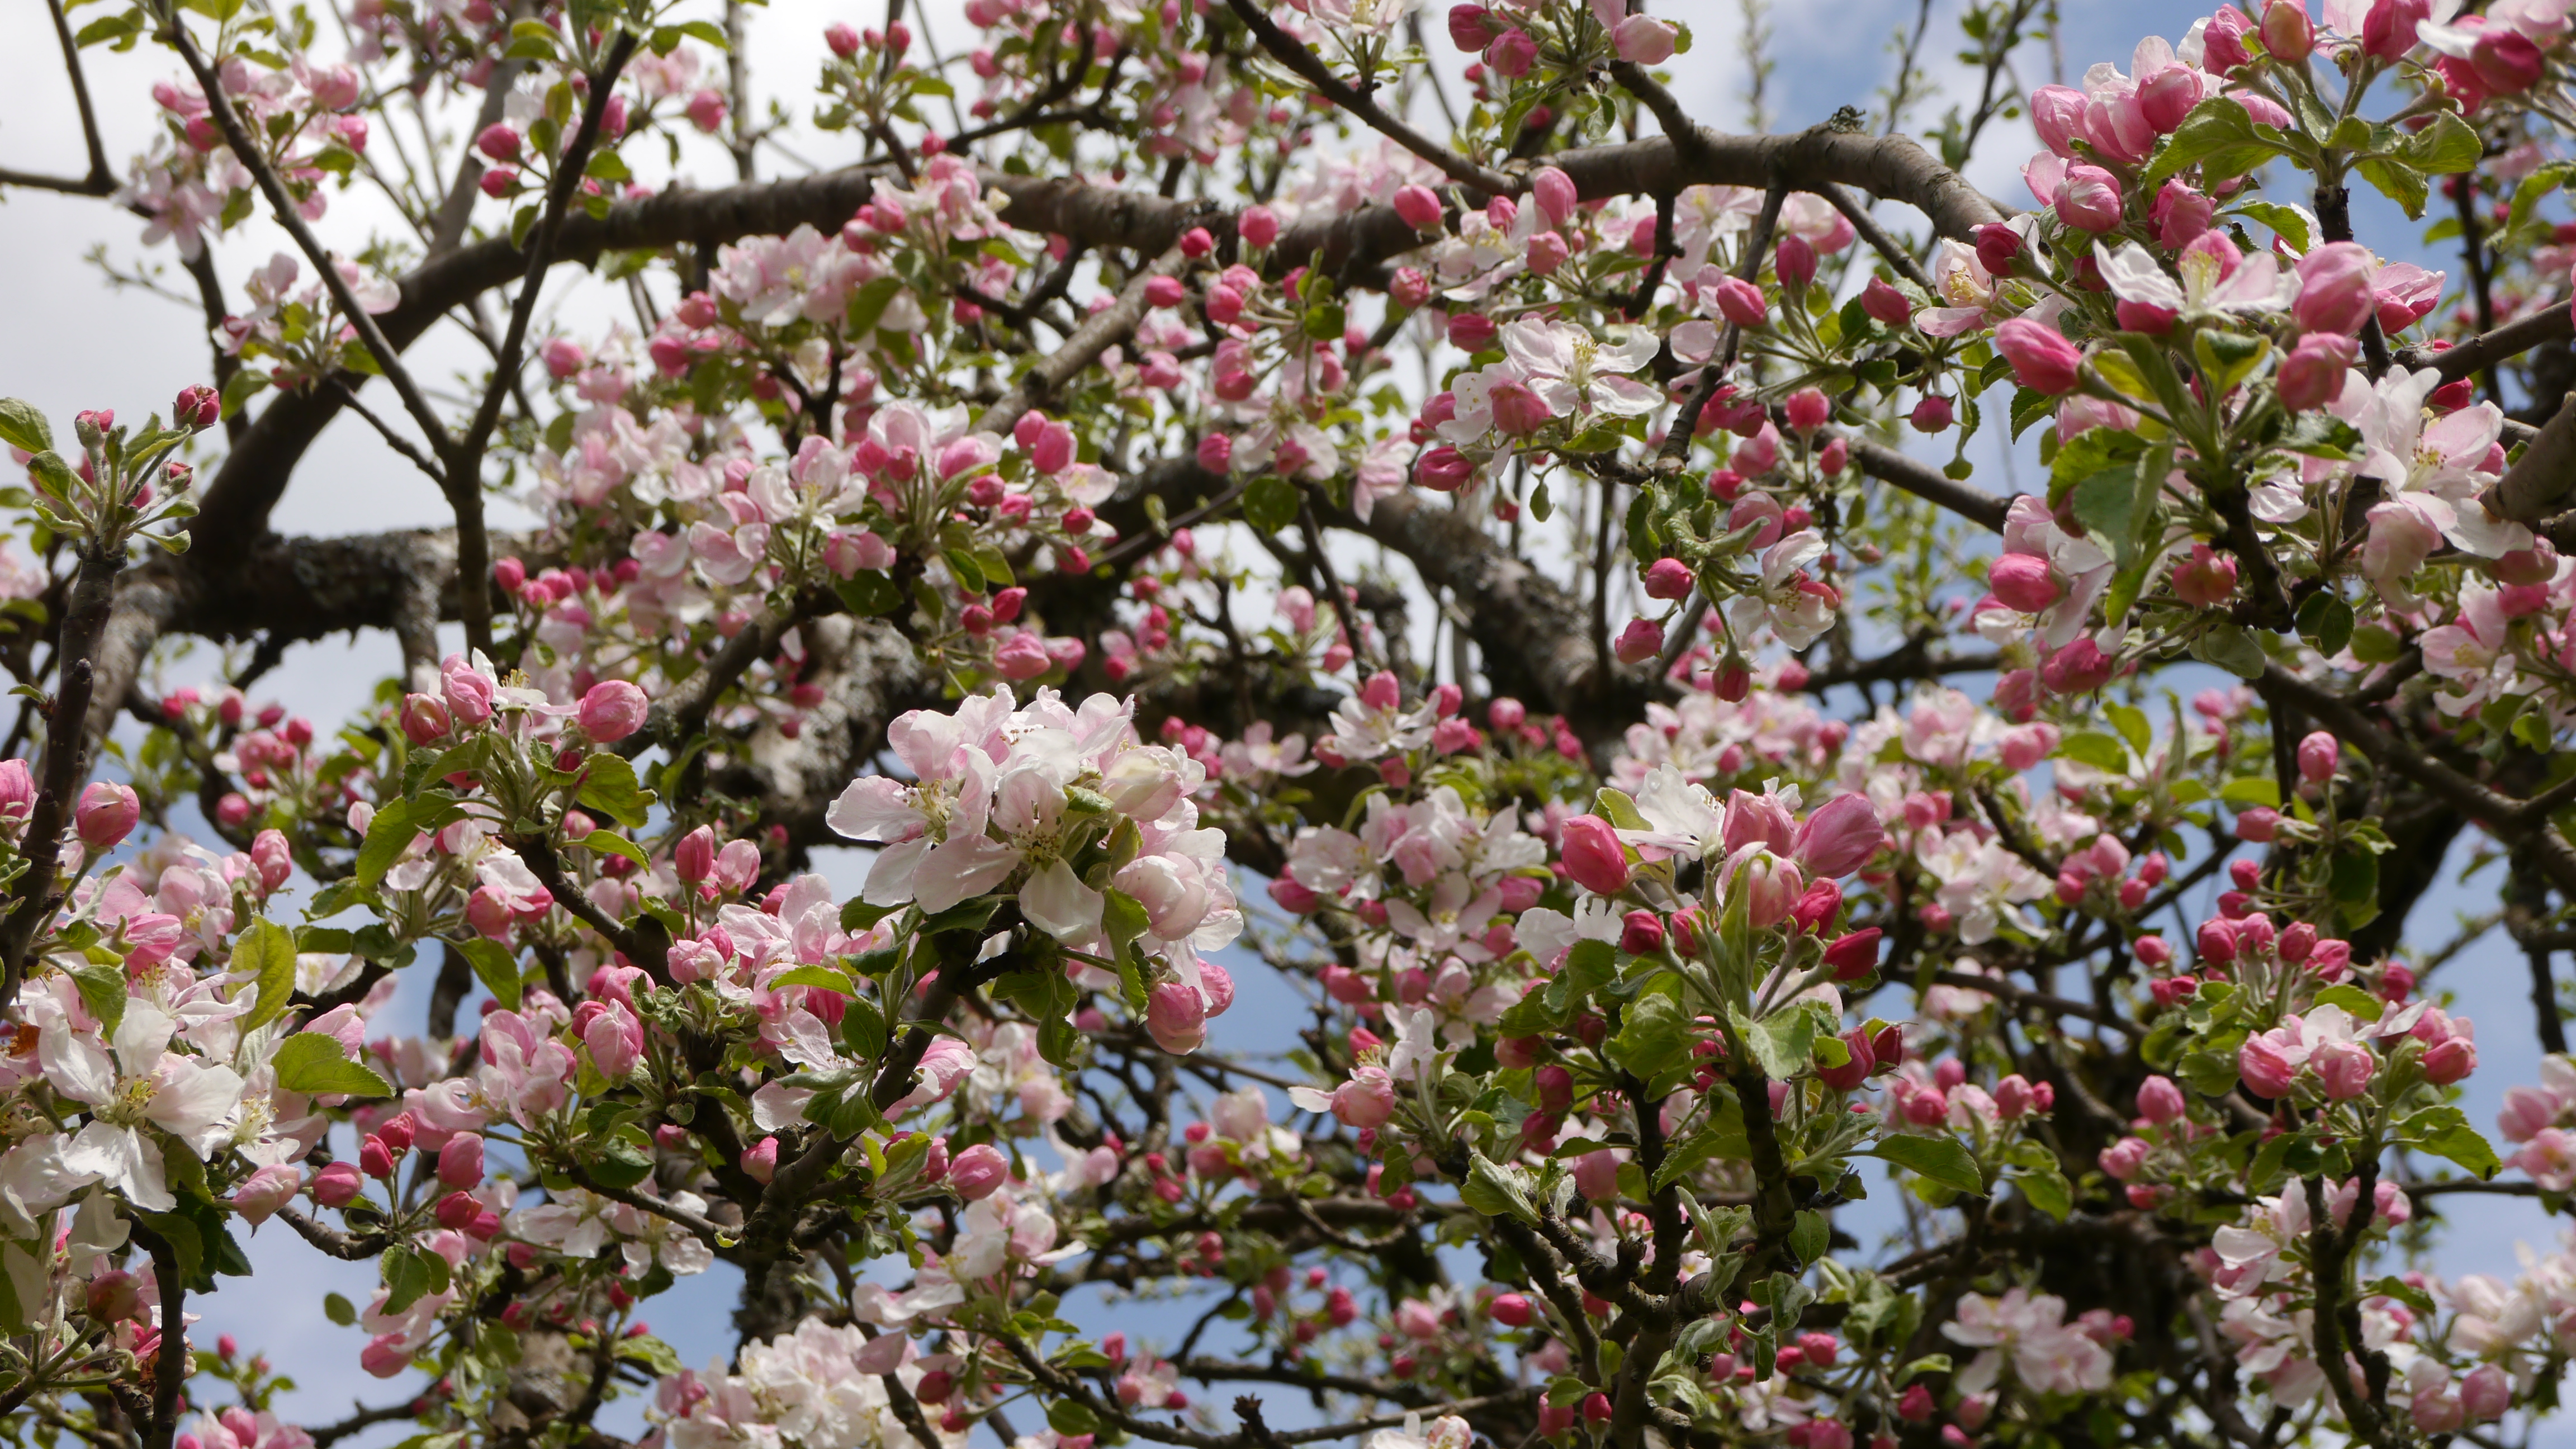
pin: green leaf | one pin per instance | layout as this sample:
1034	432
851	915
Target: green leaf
411	1274
2398	182
267	952
1945	1160
2048	1191
339	1310
1123	917
1654	1036
2445	1132
2325	621
609	842
2029	406
388	836
1809	1235
496	966
2355	877
870	594
1782	1042
2218	137
2132	725
2230	648
609	786
2445	148
822	976
2286	222
2252	790
2353	1000
312	1063
1616	807
1270	504
102	990
2101	751
24	428
1496	1191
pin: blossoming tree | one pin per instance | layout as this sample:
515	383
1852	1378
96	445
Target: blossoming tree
1175	502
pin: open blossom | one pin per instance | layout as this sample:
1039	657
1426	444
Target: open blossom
2028	1331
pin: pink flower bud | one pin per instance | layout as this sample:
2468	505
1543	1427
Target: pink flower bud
1419	206
1176	1017
2334	295
1258	226
613	709
2266	1070
1669	578
978	1171
1594	859
1512	54
460	1161
1641	933
760	1161
841	39
2449	1061
106	814
2023	582
1644	40
198	406
1470	27
1642	640
1886	304
2312	373
2343	1069
337	1184
1472	331
1741	303
1854	956
499	141
2288	33
2206	579
2160	1101
2089	199
2257	824
2079	668
1366	1101
1933	414
1807	410
2040	355
424	719
1554	192
2485	1394
1443	469
695	858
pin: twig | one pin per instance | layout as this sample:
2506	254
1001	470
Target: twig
1310	67
98	180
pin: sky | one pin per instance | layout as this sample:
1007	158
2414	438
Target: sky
71	343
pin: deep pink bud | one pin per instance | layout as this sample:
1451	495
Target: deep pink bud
1470	27
1854	956
2206	579
1886	304
1419	206
2041	357
1594	858
2023	582
1641	933
460	1161
2313	372
1741	303
613	709
106	814
1669	578
2318	755
978	1171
